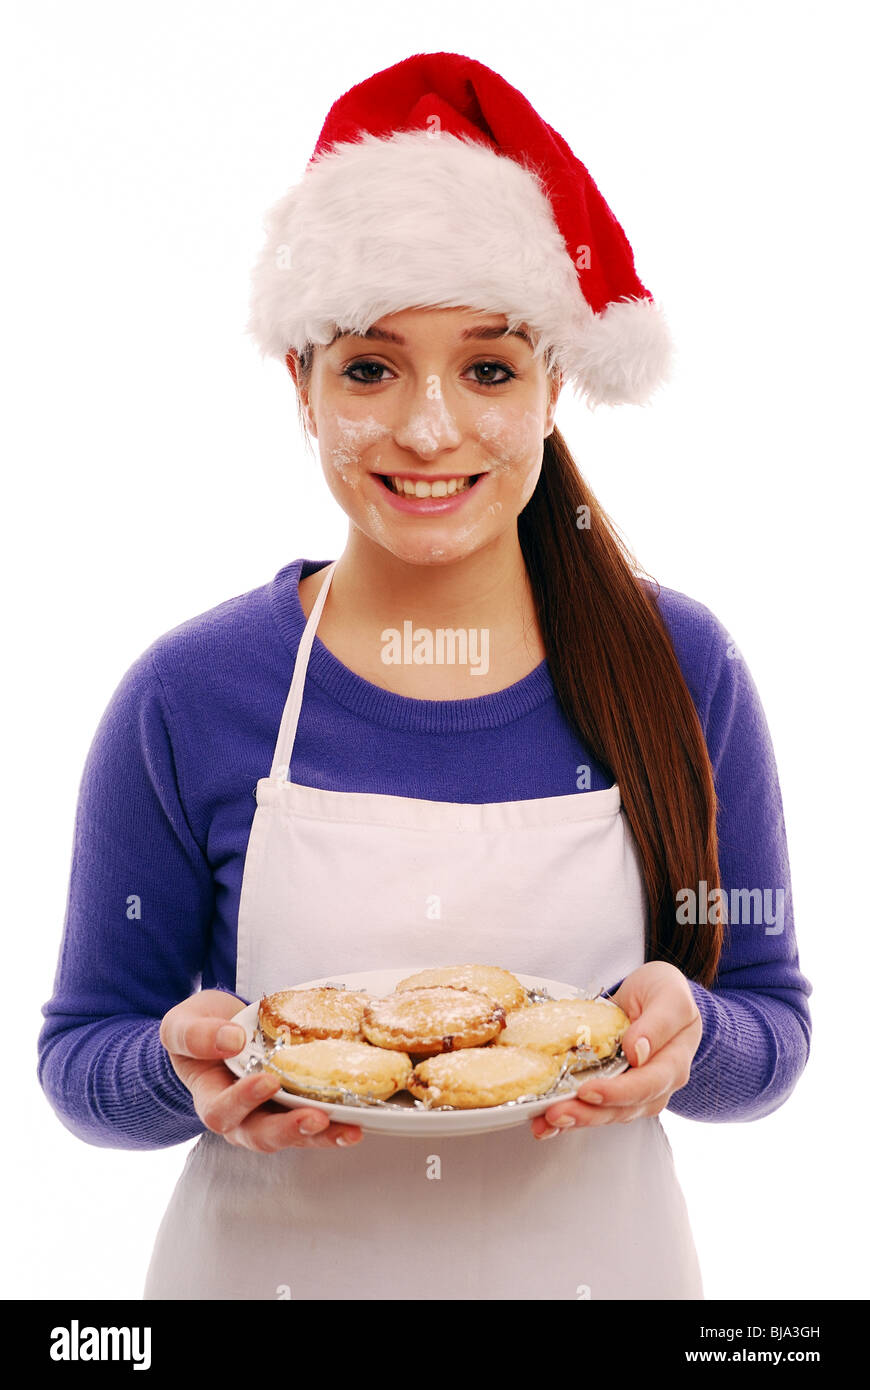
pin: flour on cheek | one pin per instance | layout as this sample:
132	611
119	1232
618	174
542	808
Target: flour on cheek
376	522
513	444
347	443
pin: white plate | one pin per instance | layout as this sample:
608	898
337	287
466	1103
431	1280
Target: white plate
401	1116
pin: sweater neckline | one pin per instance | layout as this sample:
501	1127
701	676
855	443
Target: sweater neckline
382	706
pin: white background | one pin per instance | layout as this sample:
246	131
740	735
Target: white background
155	468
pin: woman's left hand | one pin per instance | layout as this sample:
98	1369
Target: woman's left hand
662	1011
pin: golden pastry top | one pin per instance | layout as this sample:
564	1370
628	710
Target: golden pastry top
335	1062
311	1013
497	984
554	1026
434	1010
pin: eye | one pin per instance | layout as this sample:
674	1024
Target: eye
364	365
368	372
509	374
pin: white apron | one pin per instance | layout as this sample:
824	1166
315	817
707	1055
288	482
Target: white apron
346	881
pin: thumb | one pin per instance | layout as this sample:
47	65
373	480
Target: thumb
200	1027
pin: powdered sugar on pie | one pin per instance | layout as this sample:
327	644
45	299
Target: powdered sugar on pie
428	1021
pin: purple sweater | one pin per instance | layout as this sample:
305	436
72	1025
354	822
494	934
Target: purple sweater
166	803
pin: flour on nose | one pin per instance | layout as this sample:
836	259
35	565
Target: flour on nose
432	427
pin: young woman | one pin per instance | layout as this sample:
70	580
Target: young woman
591	797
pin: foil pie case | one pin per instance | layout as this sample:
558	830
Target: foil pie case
584	1063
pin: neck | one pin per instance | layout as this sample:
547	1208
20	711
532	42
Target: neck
485	594
486	589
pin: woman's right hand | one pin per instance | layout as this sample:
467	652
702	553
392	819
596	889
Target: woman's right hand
197	1037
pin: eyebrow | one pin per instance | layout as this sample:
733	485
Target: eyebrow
487	334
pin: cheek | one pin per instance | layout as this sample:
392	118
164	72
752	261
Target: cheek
530	482
377	525
348	440
512	440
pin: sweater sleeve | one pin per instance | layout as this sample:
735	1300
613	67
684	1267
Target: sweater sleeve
139	907
756	1017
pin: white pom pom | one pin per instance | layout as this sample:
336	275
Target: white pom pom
623	354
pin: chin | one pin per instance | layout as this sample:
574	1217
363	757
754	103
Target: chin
437	551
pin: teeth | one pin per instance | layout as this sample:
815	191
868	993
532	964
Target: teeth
443	487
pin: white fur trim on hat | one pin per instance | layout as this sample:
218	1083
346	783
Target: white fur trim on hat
420	219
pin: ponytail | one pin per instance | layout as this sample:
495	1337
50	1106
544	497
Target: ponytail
619	683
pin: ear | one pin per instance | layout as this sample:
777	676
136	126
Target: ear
292	361
555	382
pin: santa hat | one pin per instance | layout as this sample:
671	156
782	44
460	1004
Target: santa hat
435	183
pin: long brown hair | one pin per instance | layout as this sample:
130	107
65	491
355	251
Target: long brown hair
618	680
619	683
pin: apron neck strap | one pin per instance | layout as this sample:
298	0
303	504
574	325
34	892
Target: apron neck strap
290	719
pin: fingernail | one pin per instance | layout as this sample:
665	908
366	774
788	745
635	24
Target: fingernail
312	1126
642	1049
344	1141
591	1097
564	1122
549	1133
230	1038
264	1086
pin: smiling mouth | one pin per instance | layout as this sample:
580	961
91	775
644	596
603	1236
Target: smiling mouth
437	487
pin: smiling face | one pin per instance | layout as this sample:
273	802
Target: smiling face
431	429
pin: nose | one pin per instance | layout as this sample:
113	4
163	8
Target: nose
428	427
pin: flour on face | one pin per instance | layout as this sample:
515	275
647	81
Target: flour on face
507	439
354	437
512	444
430	428
509	443
376	521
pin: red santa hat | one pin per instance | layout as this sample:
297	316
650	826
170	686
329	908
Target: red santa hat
435	183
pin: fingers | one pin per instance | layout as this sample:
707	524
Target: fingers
660	1005
639	1091
197	1035
236	1110
223	1102
667	1071
199	1027
267	1131
579	1115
